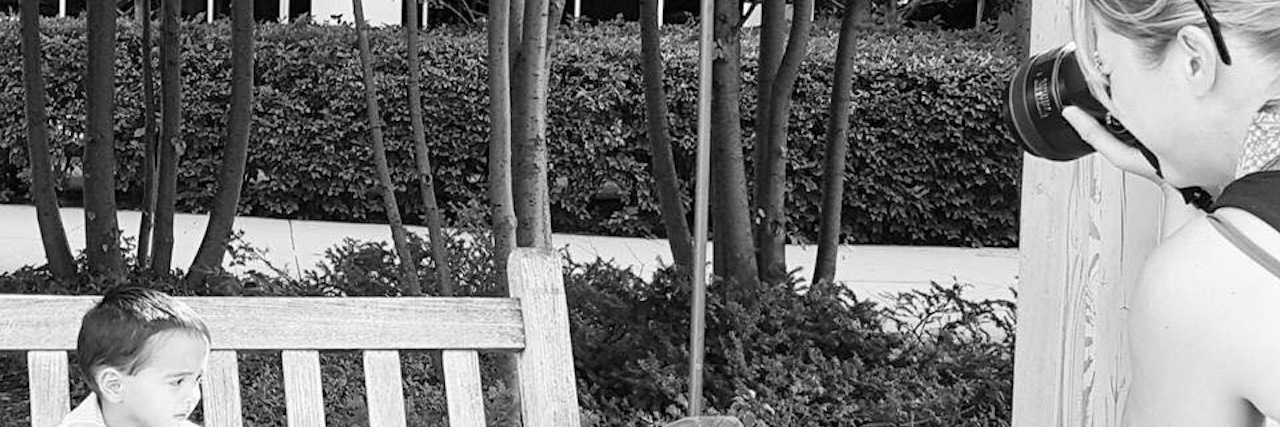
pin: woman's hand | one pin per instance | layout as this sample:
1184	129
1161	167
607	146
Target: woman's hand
1124	156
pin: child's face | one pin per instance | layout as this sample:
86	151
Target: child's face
167	388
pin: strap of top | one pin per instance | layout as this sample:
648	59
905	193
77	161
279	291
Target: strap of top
1246	245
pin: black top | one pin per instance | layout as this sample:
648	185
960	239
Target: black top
1257	193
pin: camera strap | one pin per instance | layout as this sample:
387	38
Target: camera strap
1194	196
1245	244
1259	194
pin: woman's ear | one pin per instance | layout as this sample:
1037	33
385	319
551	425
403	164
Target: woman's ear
111	384
1198	55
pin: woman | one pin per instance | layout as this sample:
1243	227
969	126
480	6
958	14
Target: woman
1198	83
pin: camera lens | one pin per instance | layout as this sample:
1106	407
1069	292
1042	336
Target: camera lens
1039	90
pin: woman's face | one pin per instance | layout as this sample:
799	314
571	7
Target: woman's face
1165	106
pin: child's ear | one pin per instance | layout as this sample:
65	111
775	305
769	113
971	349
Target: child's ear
110	384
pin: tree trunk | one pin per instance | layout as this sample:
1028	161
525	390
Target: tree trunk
981	9
734	256
529	126
102	234
891	18
504	216
771	172
150	168
772	43
408	268
663	166
222	215
56	250
833	173
862	12
515	33
1022	16
439	251
555	11
170	136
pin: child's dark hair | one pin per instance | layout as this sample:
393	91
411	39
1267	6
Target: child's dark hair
115	332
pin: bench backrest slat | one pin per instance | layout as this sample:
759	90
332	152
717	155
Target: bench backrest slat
222	390
462	388
50	394
304	403
383	388
41	322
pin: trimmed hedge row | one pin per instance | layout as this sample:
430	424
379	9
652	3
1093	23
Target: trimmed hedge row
930	161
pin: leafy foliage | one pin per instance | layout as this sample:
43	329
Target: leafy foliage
786	356
930	160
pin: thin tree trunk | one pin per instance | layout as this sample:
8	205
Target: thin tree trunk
102	234
501	56
772	43
56	250
408	270
980	10
734	256
891	17
439	251
833	173
554	15
528	125
773	21
515	34
149	165
222	215
663	166
771	172
500	198
170	135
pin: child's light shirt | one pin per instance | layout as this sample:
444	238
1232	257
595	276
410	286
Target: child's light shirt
87	414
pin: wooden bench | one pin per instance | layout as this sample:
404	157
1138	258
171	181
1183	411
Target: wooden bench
533	324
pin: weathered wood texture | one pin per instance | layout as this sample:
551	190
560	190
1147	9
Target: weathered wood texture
262	323
1087	229
548	391
462	388
534	324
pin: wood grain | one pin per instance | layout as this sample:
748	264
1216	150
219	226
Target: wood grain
1086	229
304	403
384	389
268	323
548	390
50	394
462	388
222	407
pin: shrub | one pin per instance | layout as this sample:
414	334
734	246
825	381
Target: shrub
930	161
788	355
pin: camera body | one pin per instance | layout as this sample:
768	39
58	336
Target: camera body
1038	92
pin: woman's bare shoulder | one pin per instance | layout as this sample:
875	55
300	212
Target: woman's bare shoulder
1203	300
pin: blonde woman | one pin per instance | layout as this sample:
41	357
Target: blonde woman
1198	83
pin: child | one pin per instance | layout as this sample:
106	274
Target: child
144	355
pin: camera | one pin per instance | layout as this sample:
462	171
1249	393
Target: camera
1038	91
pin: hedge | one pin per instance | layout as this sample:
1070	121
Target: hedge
930	160
819	357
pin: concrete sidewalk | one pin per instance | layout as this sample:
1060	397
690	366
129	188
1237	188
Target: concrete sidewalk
295	246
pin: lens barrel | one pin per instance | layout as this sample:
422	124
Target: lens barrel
1038	91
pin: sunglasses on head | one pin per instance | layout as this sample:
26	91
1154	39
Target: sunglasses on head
1215	29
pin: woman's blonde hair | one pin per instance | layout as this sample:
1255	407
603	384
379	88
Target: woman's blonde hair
1155	23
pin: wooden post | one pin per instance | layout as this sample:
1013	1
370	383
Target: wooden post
62	8
577	9
1086	231
284	10
662	11
548	390
209	11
